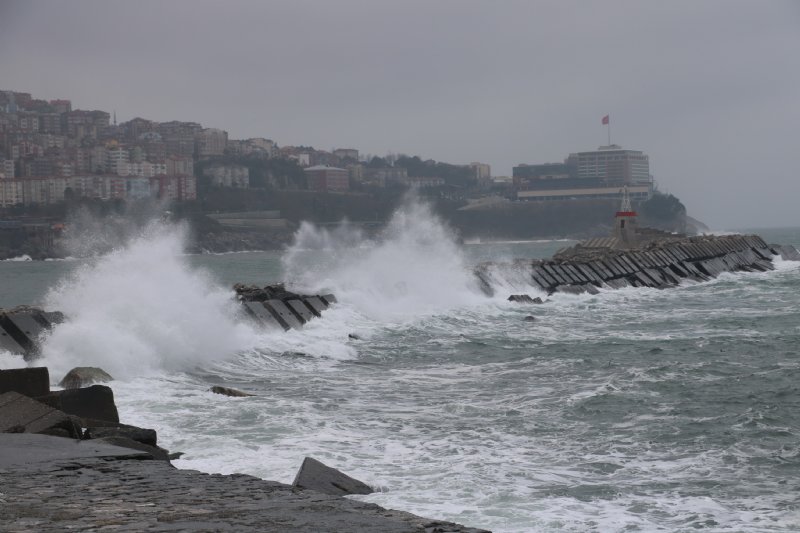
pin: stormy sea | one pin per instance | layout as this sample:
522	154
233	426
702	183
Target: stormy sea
630	410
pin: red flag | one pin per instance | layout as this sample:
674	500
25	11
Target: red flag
605	120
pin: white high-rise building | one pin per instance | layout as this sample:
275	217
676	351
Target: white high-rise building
116	158
6	168
612	163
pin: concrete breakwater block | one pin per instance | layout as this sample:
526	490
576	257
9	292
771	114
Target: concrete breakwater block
300	310
259	312
159	454
315	475
542	278
282	314
315	304
787	252
64	413
26	450
678	270
274	305
589	274
21	328
8	343
25	329
20	414
95	402
577	274
31	382
142	435
763	266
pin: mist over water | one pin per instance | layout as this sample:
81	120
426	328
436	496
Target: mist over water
90	235
413	268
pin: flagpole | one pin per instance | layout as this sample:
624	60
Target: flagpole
609	130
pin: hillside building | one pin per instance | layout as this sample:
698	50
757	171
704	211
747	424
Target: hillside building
325	178
210	142
595	174
612	163
228	175
481	171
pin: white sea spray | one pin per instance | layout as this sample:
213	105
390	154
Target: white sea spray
141	308
413	268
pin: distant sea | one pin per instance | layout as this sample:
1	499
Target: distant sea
630	410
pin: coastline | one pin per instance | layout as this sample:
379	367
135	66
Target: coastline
67	462
56	484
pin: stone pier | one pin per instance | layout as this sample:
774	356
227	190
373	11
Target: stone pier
660	264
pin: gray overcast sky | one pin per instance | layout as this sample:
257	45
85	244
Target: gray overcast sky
709	89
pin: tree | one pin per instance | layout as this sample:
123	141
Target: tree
664	208
377	162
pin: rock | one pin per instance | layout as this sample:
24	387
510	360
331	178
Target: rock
591	289
31	382
83	376
95	402
228	392
353	336
317	476
525	299
175	455
529	318
155	452
570	289
143	435
20	414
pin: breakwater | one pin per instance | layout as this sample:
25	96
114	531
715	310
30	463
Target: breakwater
49	485
660	264
274	306
22	329
68	463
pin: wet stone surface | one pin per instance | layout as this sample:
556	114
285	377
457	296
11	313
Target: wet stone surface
131	494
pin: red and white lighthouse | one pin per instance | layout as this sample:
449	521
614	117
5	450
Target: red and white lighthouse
625	222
